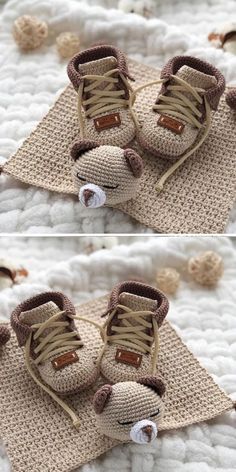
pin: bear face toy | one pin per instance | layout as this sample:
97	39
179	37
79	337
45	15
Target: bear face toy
130	410
105	174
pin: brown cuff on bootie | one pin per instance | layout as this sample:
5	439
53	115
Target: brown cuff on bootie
21	329
141	290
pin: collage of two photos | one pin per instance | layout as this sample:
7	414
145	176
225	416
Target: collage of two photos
117	236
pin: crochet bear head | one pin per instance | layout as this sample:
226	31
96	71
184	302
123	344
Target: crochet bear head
105	174
130	410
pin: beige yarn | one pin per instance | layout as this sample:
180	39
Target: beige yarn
108	168
196	199
207	268
29	32
118	372
168	280
40	437
143	401
68	44
119	135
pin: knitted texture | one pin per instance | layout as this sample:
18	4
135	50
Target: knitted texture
98	61
231	98
68	44
4	335
128	402
154	382
115	371
162	141
93	54
168	280
196	199
29	32
212	93
207	268
160	303
191	396
72	377
111	169
22	330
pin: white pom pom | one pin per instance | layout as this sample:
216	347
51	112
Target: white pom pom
138	434
92	196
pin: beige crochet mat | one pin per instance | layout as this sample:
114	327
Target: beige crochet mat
196	199
39	436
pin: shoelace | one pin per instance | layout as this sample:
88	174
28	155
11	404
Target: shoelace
178	105
133	336
103	100
58	340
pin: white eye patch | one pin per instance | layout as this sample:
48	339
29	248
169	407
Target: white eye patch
143	432
92	196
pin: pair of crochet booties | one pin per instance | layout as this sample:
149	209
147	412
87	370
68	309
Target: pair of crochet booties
176	126
130	405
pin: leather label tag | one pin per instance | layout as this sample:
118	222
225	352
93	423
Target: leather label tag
65	359
128	357
107	121
171	124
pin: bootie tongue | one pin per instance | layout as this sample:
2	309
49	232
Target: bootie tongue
98	67
196	78
136	302
39	314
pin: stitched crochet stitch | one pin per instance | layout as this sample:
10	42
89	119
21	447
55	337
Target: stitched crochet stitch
105	97
191	396
137	419
196	199
131	332
105	174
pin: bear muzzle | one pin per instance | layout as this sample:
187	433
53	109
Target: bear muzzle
92	196
143	432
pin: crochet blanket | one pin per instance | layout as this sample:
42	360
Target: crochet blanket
204	318
29	84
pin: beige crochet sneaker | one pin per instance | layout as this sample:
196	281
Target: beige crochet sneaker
136	311
180	120
105	98
44	326
55	355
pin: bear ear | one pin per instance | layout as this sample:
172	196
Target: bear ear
155	383
79	147
101	398
134	162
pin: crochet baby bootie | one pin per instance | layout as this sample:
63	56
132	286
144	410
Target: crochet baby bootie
130	410
191	89
44	325
135	313
105	174
180	120
105	97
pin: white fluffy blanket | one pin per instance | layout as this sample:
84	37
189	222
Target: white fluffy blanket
29	84
204	318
